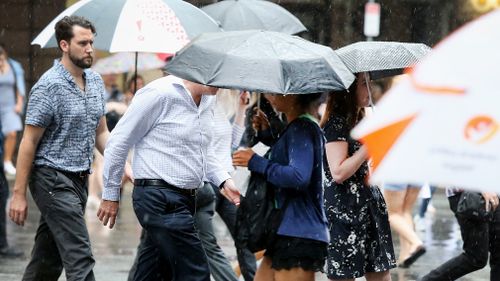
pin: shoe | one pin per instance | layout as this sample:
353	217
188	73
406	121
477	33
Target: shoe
413	257
9	168
9	252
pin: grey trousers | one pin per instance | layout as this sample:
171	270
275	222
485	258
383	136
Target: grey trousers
62	239
220	268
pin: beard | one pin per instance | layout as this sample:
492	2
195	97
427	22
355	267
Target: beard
83	63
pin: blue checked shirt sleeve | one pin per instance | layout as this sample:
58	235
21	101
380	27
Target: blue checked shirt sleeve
142	114
40	111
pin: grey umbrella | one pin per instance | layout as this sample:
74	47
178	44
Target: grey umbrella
261	61
254	14
381	59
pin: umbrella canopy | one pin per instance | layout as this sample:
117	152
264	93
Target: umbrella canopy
381	59
441	124
261	61
159	26
125	62
254	14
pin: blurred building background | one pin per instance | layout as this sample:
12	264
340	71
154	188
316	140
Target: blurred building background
330	22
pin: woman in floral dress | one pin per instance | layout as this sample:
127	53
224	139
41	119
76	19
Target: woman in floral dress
360	236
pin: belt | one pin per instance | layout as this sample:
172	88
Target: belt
81	174
164	184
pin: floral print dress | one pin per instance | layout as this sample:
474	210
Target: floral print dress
360	236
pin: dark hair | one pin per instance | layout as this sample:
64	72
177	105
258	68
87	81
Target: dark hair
2	50
64	27
343	104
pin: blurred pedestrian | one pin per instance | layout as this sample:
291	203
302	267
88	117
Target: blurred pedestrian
135	83
480	240
227	137
12	91
169	125
64	121
360	235
400	200
5	249
295	174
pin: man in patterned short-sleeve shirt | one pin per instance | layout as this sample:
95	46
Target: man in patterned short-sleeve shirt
64	121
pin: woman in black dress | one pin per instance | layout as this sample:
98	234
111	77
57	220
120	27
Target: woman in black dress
360	236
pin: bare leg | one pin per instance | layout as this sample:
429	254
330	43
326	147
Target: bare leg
378	276
264	272
294	274
395	205
409	203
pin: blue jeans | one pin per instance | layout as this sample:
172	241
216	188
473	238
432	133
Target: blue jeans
172	249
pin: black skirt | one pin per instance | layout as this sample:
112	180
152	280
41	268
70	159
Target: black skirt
291	252
360	235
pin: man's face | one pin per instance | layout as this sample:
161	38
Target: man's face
209	90
80	48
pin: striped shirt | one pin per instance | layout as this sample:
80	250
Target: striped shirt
226	139
171	137
69	115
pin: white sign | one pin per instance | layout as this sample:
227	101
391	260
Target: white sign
372	19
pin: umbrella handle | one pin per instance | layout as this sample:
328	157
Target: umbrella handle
370	99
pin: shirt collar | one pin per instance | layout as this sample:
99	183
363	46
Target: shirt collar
65	73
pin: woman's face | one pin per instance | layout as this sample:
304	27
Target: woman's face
280	102
362	96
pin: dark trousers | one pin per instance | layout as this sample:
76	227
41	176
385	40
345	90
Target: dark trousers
480	239
220	268
62	238
4	195
172	249
227	212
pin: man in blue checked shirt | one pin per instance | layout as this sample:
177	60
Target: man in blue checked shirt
169	125
64	122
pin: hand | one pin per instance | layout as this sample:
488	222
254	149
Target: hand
230	191
491	199
19	108
244	100
18	210
108	210
242	157
260	122
128	175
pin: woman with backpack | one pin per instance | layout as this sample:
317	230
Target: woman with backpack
294	172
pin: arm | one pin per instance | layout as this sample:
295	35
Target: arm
19	103
141	116
102	135
18	206
295	175
341	166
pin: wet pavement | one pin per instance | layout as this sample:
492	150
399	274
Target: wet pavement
114	250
